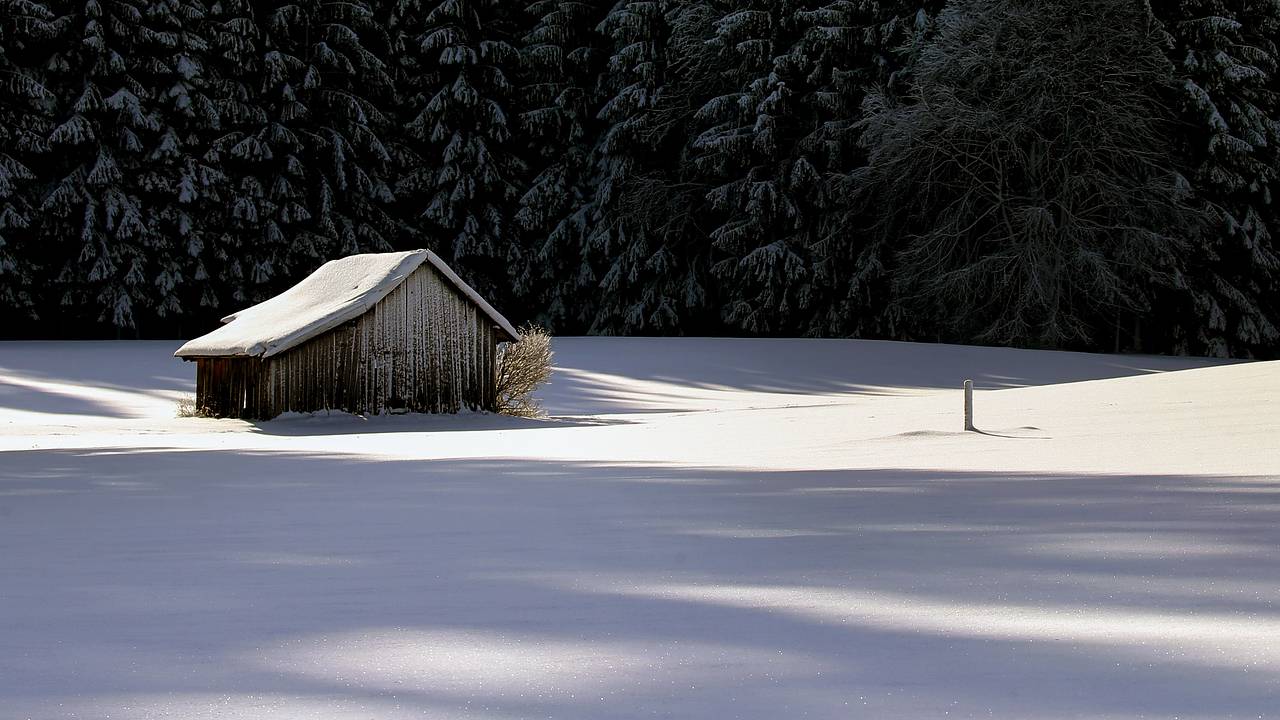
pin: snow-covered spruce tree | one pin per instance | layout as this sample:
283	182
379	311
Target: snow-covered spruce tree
647	239
746	143
463	172
301	97
846	48
636	35
1026	174
1227	53
239	251
93	219
177	184
24	127
893	32
558	98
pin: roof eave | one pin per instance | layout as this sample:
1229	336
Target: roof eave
505	336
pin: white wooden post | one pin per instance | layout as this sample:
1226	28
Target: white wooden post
968	406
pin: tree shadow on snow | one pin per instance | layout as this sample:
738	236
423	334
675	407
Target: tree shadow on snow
136	581
90	378
627	375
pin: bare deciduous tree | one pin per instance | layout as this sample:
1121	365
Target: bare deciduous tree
1024	181
523	367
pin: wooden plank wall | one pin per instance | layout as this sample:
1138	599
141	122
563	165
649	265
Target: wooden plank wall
230	387
423	348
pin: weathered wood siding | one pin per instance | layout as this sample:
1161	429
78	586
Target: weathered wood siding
225	387
423	348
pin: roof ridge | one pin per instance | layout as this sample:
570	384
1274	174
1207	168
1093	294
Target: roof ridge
238	337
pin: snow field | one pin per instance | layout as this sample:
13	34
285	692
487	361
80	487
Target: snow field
703	528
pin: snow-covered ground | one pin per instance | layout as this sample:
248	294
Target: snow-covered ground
702	529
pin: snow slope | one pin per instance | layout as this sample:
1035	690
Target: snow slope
704	528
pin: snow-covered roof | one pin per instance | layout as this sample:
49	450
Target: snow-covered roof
340	291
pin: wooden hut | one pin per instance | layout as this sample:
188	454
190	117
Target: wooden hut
367	334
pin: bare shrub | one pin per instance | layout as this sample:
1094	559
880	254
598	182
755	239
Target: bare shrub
522	368
187	407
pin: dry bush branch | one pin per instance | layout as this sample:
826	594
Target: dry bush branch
187	407
523	367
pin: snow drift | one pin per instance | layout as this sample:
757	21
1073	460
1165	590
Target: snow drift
703	528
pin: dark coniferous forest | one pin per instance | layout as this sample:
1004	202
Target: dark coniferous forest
1086	174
